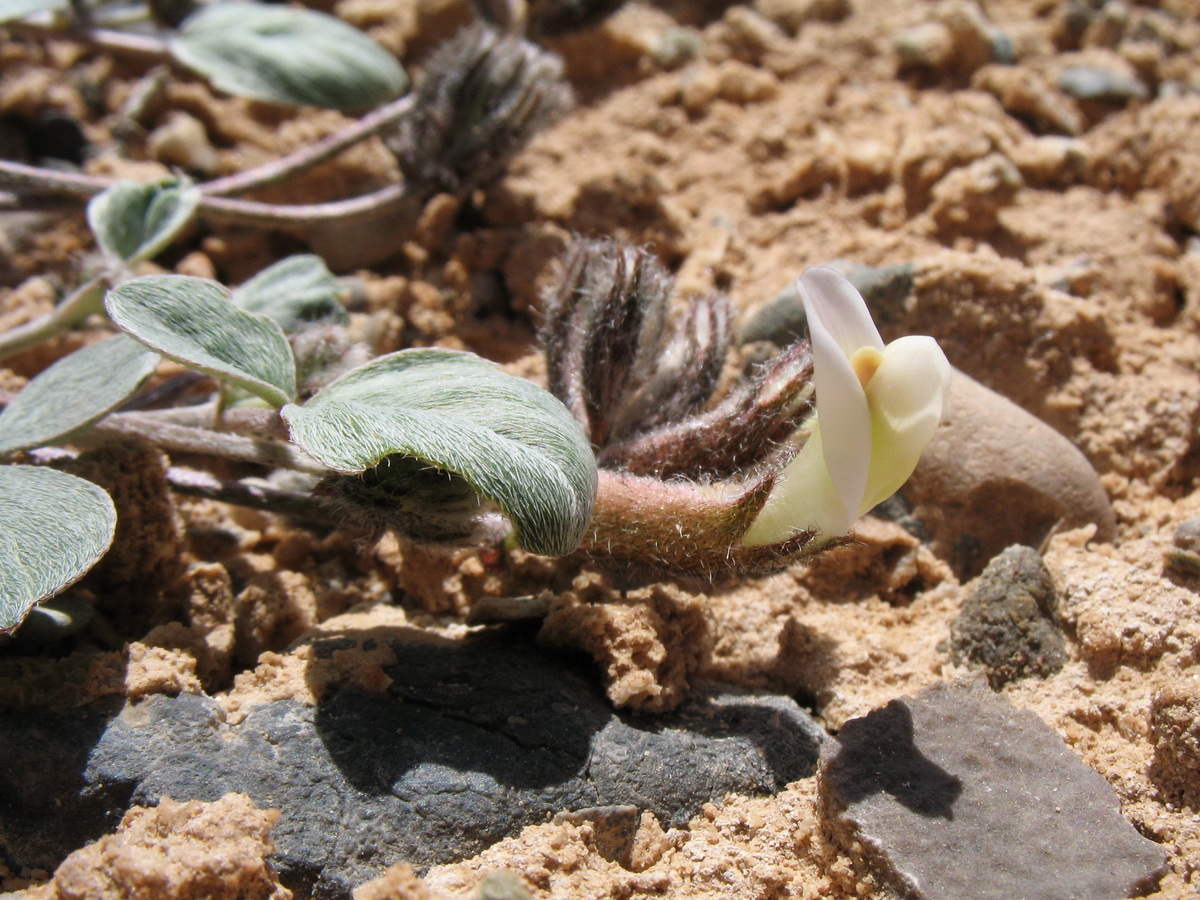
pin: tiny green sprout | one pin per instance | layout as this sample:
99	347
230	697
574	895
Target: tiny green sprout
877	408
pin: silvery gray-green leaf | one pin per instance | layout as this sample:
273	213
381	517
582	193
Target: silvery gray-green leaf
19	9
281	54
295	292
76	391
56	527
194	321
133	222
513	442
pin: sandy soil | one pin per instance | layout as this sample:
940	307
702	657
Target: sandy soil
1056	263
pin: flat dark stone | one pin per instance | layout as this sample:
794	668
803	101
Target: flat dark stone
958	795
475	740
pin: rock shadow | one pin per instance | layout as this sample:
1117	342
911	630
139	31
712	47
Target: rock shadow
489	704
877	754
48	806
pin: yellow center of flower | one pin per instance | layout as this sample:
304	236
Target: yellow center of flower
865	361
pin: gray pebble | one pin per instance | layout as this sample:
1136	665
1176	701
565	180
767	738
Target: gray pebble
1107	85
956	793
1008	624
782	320
1184	557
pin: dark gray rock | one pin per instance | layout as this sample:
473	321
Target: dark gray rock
956	793
1009	621
476	739
782	320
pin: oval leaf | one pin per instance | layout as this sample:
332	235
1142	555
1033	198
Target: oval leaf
133	222
513	442
56	527
284	55
295	292
193	321
76	391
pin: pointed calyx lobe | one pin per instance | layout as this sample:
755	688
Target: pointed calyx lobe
684	470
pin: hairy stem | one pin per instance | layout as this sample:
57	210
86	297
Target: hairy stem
77	307
296	504
251	212
51	181
202	441
684	526
119	43
216	208
280	169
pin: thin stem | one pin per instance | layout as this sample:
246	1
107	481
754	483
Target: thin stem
297	504
248	211
277	170
71	311
185	439
252	422
197	483
52	181
117	42
218	208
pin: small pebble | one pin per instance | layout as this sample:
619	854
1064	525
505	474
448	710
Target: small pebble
782	319
957	43
502	885
1106	85
995	475
1184	557
677	46
183	142
1008	624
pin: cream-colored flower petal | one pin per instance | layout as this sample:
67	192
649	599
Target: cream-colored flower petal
838	325
804	498
905	396
836	304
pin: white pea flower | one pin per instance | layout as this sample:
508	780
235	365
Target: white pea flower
877	408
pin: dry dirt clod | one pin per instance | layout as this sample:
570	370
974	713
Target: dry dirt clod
1009	621
186	851
1175	730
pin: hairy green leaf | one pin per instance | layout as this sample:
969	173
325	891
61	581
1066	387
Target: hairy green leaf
194	321
76	391
280	54
133	222
510	440
56	527
18	9
295	292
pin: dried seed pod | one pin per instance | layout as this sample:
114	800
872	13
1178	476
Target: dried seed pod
749	426
483	96
603	331
682	375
